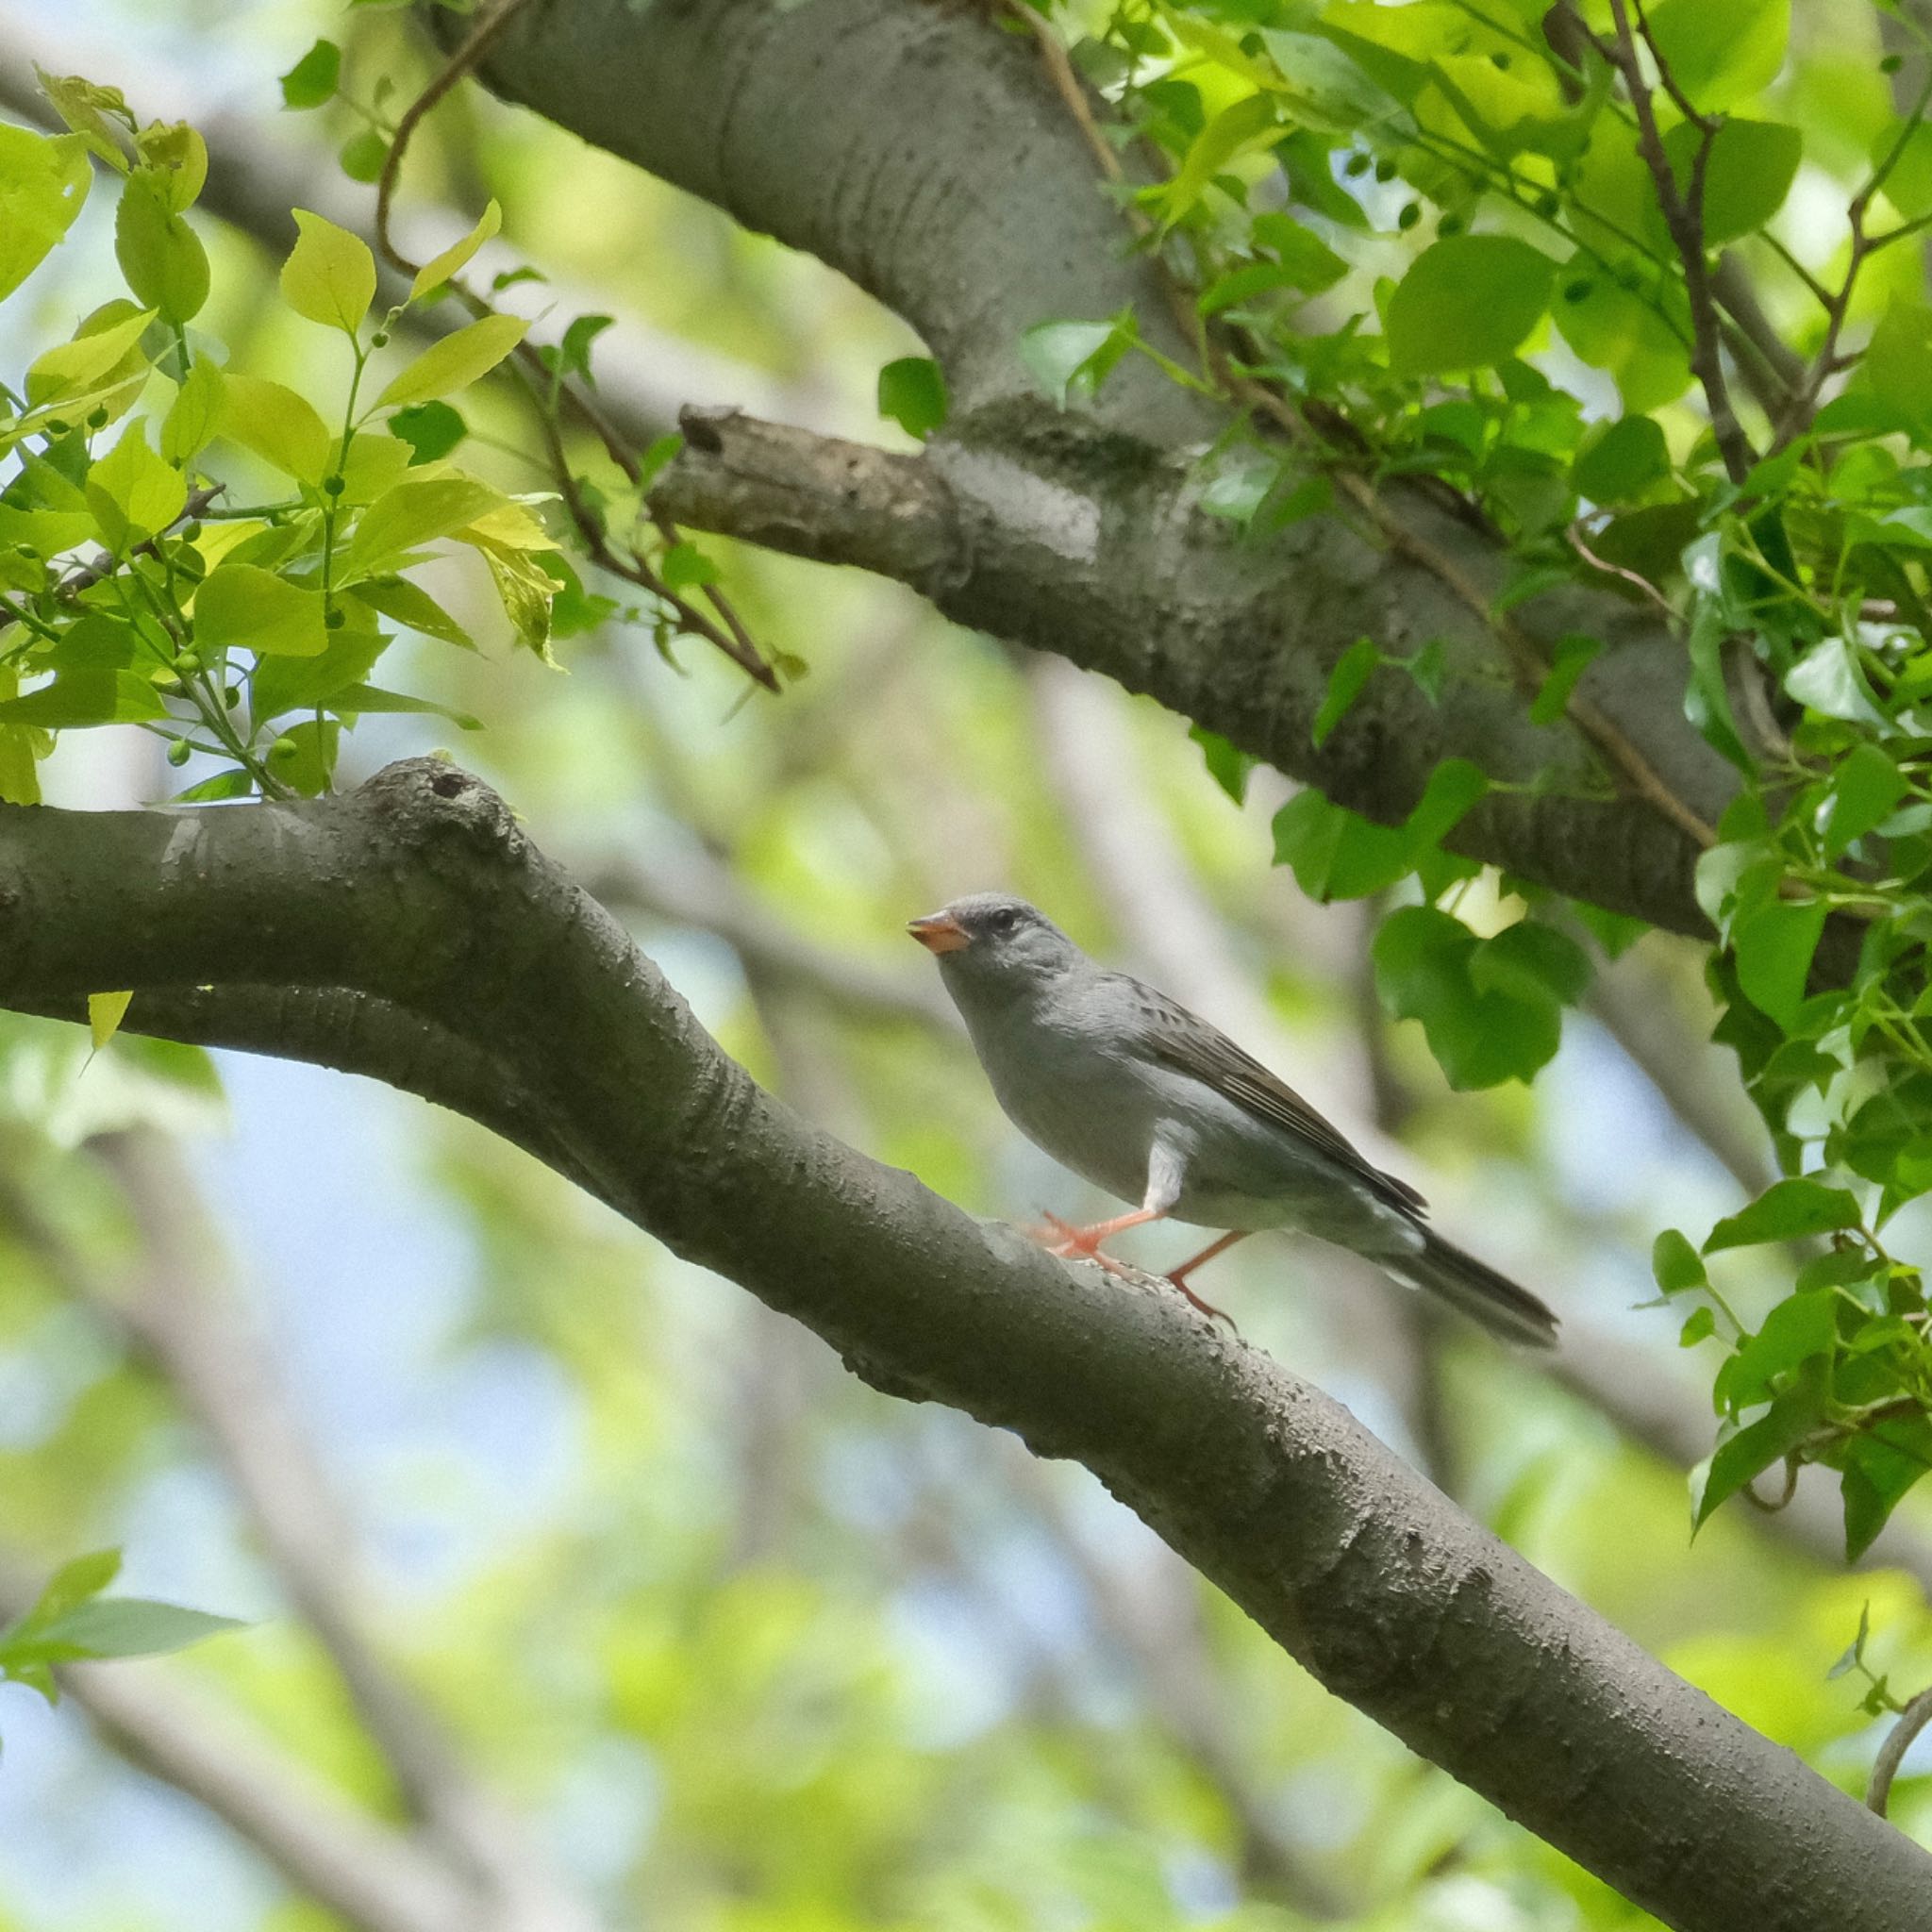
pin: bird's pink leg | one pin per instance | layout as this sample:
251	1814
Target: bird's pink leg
1179	1277
1083	1244
1073	1244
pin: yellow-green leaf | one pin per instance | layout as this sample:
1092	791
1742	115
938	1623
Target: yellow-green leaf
274	423
132	492
43	181
330	275
20	775
244	605
176	156
197	408
433	274
418	510
160	253
85	107
73	369
105	1012
456	361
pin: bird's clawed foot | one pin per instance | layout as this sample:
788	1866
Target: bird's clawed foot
1073	1244
1207	1309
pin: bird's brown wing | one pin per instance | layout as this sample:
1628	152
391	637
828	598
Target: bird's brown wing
1188	1044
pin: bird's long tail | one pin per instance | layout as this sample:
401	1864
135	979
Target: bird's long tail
1495	1301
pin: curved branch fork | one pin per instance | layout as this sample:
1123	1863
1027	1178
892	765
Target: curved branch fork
410	930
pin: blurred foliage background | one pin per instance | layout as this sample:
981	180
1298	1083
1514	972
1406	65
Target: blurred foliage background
536	1527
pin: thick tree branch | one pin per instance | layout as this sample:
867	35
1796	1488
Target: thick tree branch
1104	556
927	155
420	890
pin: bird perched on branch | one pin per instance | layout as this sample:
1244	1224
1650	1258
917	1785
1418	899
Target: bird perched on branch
1140	1097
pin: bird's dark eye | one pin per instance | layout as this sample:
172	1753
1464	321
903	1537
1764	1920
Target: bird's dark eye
1005	920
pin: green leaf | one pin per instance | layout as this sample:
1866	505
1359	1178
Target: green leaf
417	512
1881	1464
1774	944
1699	1326
1574	656
160	253
1229	769
430	430
572	355
1675	1263
98	356
1250	125
1788	1210
1630	459
174	162
282	684
363	155
79	698
686	568
408	603
133	493
91	111
912	393
1490	1014
1309	260
455	360
1827	680
1801	1326
1352	672
1337	855
1613	329
242	606
1750	1450
44	182
1721	54
1533	963
105	1013
194	413
1897	363
304	756
127	1626
330	275
1070	359
313	78
359	698
76	1580
1865	790
1466	303
1749	173
274	422
439	268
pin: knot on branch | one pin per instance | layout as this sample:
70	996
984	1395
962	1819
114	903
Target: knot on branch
427	800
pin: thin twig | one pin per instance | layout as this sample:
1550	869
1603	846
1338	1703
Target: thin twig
102	566
1634	579
1683	216
1913	1720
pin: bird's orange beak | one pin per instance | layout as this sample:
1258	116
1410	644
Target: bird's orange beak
938	932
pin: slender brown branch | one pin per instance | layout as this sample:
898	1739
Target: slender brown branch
1683	213
1912	1720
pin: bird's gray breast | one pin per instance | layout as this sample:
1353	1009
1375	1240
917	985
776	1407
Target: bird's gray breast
1071	1089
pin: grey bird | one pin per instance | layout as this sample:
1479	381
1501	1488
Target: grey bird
1148	1101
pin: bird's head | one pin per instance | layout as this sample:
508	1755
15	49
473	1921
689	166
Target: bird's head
992	939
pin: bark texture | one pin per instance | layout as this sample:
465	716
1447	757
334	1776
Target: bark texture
458	962
921	149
